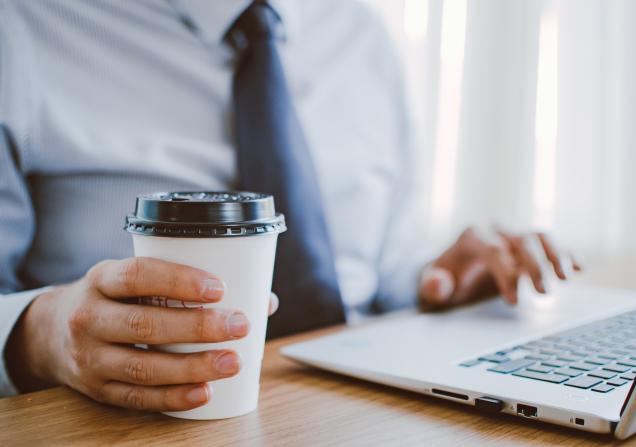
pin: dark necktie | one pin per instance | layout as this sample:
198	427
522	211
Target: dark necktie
273	157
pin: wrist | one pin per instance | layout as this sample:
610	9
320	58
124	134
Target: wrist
26	352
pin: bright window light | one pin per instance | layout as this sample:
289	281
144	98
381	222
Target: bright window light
415	18
546	121
453	38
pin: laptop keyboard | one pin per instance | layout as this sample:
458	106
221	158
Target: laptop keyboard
599	356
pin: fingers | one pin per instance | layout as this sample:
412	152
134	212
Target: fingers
273	304
575	264
552	255
153	277
129	323
503	268
527	262
436	286
141	367
164	398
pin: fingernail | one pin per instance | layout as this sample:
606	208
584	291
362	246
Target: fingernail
541	286
273	304
237	325
227	363
213	288
438	285
445	288
198	395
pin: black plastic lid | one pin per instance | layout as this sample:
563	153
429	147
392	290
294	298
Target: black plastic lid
205	214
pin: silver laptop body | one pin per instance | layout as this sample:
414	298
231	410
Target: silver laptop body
567	358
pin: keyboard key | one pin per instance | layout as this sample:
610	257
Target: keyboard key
583	366
583	357
617	368
549	377
537	344
568	358
512	365
470	363
597	361
555	363
569	372
602	374
603	388
494	358
564	347
593	349
540	368
538	357
584	382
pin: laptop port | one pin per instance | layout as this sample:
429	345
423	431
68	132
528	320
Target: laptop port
527	411
579	421
449	394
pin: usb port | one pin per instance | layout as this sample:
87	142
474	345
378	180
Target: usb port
527	411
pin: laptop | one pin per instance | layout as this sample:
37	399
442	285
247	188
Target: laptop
567	358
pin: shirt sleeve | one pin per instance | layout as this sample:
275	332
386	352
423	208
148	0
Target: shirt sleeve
17	220
11	308
16	227
404	252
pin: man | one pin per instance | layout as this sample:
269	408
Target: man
103	100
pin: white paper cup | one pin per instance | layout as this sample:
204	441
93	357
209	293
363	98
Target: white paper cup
246	264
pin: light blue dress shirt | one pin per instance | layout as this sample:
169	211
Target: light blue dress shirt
102	100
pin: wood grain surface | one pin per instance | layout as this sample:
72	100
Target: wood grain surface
299	406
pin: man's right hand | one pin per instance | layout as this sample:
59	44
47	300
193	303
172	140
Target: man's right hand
83	335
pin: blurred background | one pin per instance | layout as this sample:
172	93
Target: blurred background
524	112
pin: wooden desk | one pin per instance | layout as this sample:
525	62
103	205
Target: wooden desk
299	406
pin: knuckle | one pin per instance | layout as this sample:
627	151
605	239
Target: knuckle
201	324
139	371
140	325
173	280
96	271
130	275
469	232
493	250
517	241
95	391
202	367
81	358
204	326
80	321
534	269
208	360
134	397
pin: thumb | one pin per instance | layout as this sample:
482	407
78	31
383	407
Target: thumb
436	286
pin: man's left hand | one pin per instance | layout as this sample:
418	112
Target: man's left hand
484	263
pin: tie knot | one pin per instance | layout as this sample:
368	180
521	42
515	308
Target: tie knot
258	23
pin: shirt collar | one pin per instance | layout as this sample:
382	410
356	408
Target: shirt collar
214	18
